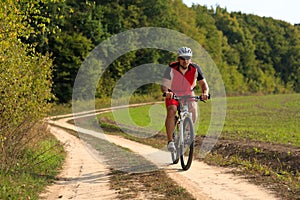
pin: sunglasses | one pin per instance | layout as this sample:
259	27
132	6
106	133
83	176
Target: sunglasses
184	57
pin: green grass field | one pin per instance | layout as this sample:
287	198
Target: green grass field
27	181
266	118
272	118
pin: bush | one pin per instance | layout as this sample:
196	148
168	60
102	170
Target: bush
25	87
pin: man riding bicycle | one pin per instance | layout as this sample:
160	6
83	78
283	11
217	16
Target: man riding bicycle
181	78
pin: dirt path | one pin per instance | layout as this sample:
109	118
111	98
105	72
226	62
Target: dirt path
203	181
85	176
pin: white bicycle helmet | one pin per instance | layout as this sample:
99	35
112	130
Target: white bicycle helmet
185	52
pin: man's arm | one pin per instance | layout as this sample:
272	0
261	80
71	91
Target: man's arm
165	86
205	89
202	82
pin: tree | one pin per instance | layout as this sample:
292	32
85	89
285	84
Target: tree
72	49
258	48
25	86
78	29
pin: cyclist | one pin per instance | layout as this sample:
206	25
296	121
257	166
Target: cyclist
181	78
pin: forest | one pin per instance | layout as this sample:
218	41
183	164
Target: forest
254	54
44	42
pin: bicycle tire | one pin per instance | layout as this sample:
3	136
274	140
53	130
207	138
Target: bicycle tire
188	148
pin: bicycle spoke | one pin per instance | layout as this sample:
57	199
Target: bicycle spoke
187	148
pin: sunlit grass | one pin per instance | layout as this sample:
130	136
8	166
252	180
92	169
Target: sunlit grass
272	118
27	181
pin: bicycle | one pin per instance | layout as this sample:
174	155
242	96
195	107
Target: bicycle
183	134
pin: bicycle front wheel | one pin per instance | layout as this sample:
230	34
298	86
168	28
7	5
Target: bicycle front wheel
187	148
175	154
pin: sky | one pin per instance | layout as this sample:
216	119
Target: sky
286	10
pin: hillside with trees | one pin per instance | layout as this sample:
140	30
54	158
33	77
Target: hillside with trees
254	54
44	43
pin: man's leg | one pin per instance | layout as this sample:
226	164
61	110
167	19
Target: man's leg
193	106
170	125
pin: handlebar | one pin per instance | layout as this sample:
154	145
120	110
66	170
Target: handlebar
196	98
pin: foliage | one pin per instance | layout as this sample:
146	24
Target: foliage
25	86
254	54
30	179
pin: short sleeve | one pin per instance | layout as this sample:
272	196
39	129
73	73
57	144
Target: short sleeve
167	74
200	75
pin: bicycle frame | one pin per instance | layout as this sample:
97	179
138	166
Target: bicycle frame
183	112
184	136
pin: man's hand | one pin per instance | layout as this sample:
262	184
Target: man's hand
169	95
204	97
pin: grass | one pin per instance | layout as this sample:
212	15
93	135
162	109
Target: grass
272	118
27	181
105	102
148	185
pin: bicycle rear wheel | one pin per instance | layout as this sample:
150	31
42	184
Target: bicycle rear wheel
187	148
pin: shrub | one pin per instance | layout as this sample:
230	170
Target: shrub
25	87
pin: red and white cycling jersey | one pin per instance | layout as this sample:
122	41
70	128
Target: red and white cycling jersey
183	84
